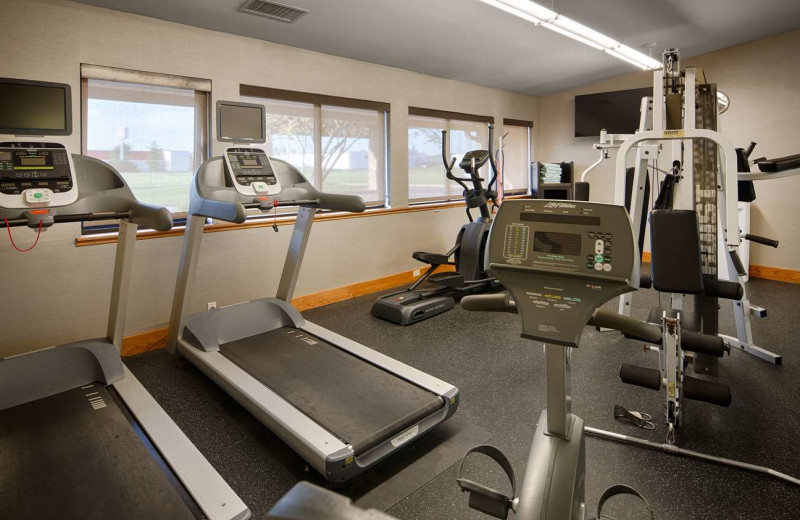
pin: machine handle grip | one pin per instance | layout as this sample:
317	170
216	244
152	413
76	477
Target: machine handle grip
153	217
628	326
341	202
761	240
737	263
499	302
582	191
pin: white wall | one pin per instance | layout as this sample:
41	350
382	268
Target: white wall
48	40
762	80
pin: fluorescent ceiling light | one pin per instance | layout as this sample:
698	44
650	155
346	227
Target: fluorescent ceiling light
543	16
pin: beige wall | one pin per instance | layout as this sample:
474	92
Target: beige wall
762	80
49	39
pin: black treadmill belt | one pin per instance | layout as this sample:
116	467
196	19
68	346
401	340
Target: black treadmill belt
75	455
355	400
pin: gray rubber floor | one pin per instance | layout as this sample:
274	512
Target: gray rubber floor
501	378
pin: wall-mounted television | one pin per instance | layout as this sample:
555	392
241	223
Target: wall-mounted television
35	107
241	122
617	112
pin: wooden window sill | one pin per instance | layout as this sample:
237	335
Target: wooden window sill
111	238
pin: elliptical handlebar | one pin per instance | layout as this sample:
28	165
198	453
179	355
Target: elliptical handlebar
449	166
492	163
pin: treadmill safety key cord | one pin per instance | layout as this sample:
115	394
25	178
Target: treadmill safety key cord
11	238
266	201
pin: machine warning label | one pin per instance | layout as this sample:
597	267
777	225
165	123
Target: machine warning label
516	242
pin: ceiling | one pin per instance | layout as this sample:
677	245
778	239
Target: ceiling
470	41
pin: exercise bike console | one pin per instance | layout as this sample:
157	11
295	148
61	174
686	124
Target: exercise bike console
559	261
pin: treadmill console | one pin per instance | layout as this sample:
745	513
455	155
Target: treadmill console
561	260
251	171
36	174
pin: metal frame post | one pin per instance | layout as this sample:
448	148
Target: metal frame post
190	252
294	256
557	383
121	283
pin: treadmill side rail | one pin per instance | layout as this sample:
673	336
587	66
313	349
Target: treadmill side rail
398	368
217	500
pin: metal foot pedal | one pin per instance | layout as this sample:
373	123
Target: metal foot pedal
452	279
482	498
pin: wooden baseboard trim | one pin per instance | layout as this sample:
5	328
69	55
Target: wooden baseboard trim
157	338
775	273
339	294
144	341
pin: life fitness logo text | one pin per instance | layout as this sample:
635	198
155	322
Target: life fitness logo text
558	205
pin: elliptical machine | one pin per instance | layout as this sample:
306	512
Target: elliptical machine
467	255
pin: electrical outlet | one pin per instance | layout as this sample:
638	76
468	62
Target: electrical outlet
212	305
416	273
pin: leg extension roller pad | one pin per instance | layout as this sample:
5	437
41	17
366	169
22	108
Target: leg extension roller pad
706	391
640	376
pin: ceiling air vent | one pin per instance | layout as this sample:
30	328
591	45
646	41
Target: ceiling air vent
272	10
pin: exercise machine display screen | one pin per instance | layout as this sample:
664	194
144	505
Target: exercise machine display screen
250	165
251	171
34	108
557	243
240	122
560	260
34	165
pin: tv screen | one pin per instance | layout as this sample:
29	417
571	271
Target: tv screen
240	122
616	112
34	107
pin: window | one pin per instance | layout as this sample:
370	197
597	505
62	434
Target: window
290	134
427	179
515	157
153	133
339	149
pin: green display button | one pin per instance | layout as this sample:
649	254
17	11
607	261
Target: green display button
598	258
37	195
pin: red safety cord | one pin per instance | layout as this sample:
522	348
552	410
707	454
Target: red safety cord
38	234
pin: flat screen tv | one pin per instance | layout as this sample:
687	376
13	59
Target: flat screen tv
617	112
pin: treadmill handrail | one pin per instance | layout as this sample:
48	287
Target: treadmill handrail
225	203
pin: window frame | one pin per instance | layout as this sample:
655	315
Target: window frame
202	94
319	102
448	117
521	123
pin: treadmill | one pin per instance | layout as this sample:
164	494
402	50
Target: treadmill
340	405
80	437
